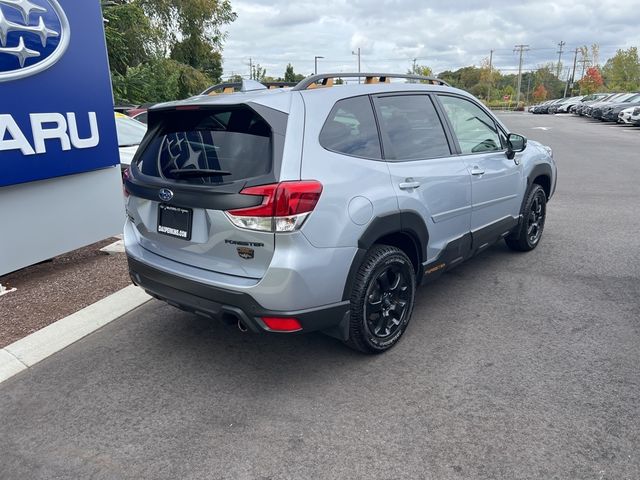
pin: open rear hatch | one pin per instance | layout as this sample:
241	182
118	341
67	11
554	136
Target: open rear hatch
186	181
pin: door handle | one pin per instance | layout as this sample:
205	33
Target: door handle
409	184
476	170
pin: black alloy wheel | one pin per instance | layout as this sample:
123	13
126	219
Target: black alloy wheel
382	300
387	301
527	235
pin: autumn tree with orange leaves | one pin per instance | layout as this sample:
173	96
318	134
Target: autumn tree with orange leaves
591	82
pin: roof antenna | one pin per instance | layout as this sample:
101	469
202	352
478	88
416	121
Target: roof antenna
251	86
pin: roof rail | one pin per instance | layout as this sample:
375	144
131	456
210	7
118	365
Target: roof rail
327	79
232	87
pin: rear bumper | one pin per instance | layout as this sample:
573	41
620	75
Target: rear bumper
227	304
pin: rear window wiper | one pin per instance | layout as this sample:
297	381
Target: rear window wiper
196	172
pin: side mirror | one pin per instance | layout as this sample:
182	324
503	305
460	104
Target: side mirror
515	143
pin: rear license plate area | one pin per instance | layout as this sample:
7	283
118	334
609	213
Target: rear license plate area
175	221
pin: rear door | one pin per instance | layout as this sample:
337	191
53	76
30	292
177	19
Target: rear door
426	176
190	171
497	182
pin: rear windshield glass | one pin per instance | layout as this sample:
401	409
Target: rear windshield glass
209	146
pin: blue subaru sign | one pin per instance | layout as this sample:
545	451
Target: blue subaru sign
56	107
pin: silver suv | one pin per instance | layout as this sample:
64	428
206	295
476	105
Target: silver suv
316	208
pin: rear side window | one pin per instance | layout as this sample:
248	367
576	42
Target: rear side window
351	129
411	128
233	140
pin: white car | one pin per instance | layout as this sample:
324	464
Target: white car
130	134
627	117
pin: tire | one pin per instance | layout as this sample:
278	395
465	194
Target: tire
382	300
534	212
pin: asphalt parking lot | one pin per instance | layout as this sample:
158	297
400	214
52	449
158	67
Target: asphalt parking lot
514	366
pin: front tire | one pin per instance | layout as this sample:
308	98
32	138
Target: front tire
382	300
534	212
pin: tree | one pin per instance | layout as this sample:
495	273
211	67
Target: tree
420	70
591	82
540	93
130	36
622	71
258	73
142	34
179	19
291	76
197	53
546	75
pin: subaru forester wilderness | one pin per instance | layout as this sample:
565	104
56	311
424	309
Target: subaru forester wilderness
313	208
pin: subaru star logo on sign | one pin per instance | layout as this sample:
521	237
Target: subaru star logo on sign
56	108
33	37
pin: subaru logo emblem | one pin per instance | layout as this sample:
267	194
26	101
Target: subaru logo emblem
165	194
34	34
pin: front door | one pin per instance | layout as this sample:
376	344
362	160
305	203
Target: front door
496	181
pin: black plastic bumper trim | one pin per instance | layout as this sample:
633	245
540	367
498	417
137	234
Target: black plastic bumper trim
217	302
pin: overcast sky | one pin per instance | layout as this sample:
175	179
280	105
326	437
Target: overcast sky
442	35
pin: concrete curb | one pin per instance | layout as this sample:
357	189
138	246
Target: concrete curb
34	348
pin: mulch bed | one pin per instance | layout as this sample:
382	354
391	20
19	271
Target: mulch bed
51	290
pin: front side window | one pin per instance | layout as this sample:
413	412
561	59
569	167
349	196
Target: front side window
476	131
411	128
351	129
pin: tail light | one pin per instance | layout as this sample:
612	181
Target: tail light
284	208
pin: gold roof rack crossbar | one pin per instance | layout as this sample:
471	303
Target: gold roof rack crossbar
326	79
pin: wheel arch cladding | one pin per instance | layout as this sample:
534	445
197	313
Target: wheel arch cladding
541	174
405	230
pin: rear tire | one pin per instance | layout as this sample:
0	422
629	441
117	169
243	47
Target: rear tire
534	212
382	300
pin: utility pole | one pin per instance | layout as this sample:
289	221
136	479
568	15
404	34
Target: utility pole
584	60
250	68
566	85
358	54
561	44
490	75
521	49
573	75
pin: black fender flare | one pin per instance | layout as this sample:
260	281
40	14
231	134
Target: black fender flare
408	222
542	169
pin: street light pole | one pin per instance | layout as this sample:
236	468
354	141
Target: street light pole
358	54
315	62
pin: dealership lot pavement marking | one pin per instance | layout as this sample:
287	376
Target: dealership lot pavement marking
514	366
39	345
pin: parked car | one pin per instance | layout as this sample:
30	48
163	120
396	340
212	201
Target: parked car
133	112
626	115
141	117
609	113
567	103
584	105
544	107
596	106
130	134
635	117
296	210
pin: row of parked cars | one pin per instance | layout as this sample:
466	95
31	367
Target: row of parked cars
607	107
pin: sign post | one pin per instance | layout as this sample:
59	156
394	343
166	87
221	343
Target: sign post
60	186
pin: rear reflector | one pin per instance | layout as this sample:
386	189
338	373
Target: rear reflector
282	324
